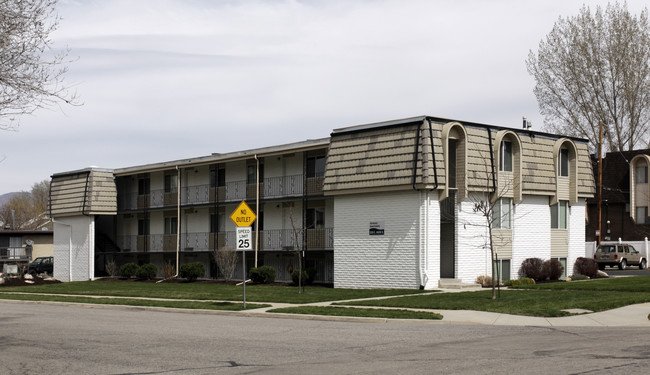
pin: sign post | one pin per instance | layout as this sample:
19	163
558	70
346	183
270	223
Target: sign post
243	217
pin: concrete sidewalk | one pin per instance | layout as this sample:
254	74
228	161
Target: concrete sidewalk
627	316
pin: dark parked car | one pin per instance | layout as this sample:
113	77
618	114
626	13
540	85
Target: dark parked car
40	265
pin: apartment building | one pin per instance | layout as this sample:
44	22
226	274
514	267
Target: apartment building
383	205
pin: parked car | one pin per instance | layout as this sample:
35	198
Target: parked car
40	265
621	255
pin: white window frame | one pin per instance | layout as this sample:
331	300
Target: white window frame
563	165
502	214
506	165
560	215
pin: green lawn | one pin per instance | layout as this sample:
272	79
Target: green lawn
547	299
197	291
358	312
179	304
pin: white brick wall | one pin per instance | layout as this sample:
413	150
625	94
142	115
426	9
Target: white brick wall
388	261
576	234
472	246
531	231
74	248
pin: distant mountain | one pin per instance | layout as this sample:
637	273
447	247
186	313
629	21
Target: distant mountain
4	198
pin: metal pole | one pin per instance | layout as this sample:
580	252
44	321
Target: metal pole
243	257
257	207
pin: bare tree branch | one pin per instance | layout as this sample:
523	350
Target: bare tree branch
596	67
32	72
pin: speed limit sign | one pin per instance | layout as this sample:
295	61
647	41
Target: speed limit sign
244	238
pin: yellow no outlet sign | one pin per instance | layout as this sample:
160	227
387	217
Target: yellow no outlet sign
243	216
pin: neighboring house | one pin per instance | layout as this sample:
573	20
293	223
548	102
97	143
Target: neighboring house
625	197
22	246
385	205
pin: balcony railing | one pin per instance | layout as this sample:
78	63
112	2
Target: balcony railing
15	253
234	191
270	240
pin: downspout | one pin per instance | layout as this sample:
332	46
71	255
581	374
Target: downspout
178	219
83	207
433	155
494	182
257	208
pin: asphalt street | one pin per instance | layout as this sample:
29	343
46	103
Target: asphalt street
68	339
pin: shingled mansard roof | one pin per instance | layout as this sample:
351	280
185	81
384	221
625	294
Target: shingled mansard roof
409	154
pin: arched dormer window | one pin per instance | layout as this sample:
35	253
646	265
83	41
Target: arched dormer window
639	188
565	159
508	152
454	144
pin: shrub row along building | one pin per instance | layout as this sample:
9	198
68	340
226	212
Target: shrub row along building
384	205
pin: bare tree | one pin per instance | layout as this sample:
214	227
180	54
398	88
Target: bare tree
226	259
298	233
27	210
31	70
593	68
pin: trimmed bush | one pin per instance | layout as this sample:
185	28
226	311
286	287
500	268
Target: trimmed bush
553	269
192	271
485	281
296	274
128	269
578	277
532	268
146	272
311	275
586	266
262	275
522	281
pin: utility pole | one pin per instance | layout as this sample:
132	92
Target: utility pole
600	181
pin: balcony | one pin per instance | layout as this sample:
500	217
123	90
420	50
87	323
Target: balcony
234	191
15	254
270	240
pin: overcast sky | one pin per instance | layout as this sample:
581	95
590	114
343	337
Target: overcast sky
163	80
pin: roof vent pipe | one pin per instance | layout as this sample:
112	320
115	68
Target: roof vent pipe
526	124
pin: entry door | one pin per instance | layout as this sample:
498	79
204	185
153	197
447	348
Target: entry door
447	250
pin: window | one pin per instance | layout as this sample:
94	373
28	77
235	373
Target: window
505	157
502	213
503	269
217	223
143	227
171	224
251	174
641	215
316	166
144	186
171	183
642	174
452	162
315	218
217	177
563	162
559	216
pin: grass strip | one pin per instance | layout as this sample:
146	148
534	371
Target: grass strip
544	303
619	284
198	291
358	312
180	304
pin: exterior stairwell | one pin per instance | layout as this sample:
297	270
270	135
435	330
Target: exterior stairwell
456	284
